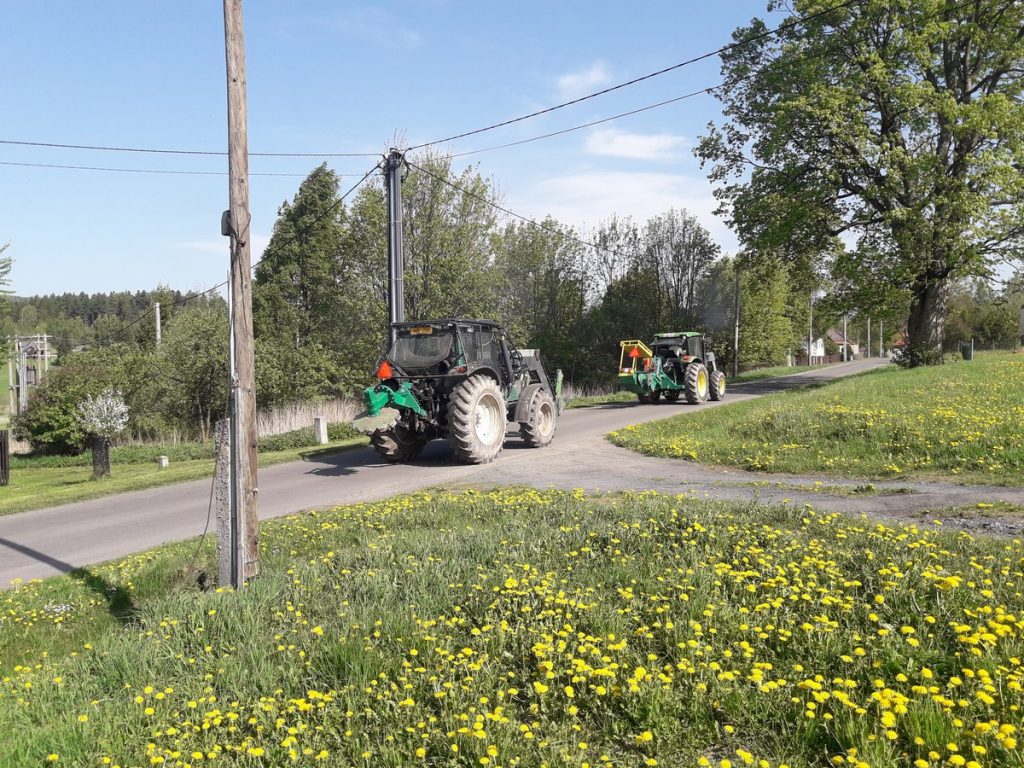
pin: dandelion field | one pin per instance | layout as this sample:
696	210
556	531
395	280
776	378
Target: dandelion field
523	628
962	421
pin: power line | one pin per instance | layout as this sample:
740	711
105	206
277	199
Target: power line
196	152
110	338
519	216
634	81
707	90
329	209
590	124
138	170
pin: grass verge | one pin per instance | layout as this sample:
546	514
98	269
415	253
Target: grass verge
40	485
629	397
520	628
963	420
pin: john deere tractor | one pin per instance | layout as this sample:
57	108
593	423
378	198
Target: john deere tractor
462	380
674	364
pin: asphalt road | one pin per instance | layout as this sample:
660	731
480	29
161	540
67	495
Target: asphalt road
57	540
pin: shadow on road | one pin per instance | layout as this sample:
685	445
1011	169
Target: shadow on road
768	386
118	599
337	464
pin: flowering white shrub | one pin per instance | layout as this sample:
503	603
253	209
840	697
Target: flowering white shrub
105	415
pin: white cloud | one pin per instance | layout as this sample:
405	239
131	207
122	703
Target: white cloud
584	200
637	146
579	83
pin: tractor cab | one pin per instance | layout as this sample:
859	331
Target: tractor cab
680	348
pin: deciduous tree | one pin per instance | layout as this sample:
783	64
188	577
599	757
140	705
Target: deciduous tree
899	122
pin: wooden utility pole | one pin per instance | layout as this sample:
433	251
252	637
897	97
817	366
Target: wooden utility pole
736	326
10	376
22	377
846	346
245	514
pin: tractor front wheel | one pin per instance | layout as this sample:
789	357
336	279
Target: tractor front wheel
695	383
397	444
717	385
539	427
476	420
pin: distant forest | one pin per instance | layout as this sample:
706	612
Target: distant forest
75	320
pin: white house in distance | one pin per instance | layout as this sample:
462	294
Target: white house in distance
818	356
836	335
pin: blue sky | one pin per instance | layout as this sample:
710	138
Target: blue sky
332	77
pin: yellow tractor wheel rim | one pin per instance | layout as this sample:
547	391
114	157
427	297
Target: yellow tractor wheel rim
702	382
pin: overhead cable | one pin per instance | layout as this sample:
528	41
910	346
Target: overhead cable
197	152
650	75
138	170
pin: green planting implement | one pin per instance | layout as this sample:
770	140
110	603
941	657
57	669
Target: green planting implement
674	364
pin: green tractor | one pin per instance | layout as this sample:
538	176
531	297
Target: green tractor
462	380
674	364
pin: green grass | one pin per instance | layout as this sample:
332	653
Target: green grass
39	485
755	375
526	628
961	420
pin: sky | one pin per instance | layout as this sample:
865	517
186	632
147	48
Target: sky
333	77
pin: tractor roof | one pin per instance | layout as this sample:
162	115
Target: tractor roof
677	334
447	321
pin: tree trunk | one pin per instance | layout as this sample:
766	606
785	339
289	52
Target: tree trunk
926	323
100	457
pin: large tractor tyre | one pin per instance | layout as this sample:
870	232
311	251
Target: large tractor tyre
397	444
717	385
695	383
540	425
476	420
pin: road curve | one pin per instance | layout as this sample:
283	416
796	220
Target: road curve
57	540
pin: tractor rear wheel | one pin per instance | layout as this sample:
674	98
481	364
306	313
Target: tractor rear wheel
540	424
695	383
717	385
476	420
397	444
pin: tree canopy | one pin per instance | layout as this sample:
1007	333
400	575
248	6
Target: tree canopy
898	122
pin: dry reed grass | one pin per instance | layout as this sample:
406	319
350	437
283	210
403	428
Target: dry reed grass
287	418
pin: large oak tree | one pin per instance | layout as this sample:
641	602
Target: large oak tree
898	122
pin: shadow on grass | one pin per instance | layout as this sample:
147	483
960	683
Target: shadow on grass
118	599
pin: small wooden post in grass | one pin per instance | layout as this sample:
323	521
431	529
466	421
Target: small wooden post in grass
5	457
